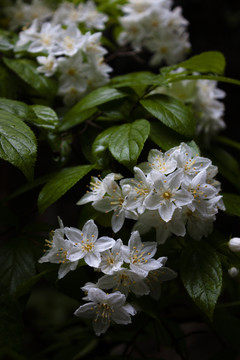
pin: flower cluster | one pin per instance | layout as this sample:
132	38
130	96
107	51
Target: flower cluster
22	14
77	58
126	268
203	96
172	192
152	25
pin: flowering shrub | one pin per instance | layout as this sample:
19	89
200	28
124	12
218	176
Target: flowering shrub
134	163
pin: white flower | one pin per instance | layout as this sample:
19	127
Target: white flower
140	187
154	26
112	260
204	195
104	309
199	225
91	17
86	244
233	272
167	196
116	199
156	277
49	65
139	255
22	14
234	244
190	163
151	219
158	161
59	249
86	287
98	188
125	281
70	41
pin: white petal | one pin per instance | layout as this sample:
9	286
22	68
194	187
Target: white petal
90	230
104	243
93	259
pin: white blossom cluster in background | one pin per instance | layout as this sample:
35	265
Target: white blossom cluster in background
22	14
173	192
203	96
77	58
153	25
125	268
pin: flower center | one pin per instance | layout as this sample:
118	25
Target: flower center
87	246
167	195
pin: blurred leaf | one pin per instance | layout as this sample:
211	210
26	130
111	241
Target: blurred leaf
17	108
7	83
201	274
228	166
30	185
27	71
86	107
172	112
207	62
45	117
17	263
127	141
232	203
164	137
138	78
72	118
6	40
100	146
17	143
229	142
59	184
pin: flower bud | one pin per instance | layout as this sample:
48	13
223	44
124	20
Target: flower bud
234	244
233	272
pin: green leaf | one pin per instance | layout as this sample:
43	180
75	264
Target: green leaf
232	204
164	137
172	112
229	142
27	71
228	166
8	86
17	108
17	263
86	107
59	184
207	77
100	146
138	78
207	62
201	274
45	117
73	118
126	142
17	143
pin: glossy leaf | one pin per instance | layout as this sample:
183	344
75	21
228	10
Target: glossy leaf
59	184
27	71
127	141
207	62
45	117
17	143
172	113
73	118
18	108
164	137
100	146
86	107
201	274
